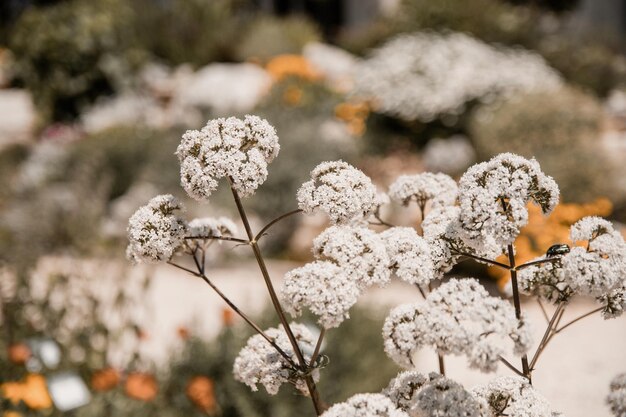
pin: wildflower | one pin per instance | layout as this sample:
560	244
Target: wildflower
19	353
105	379
365	405
201	393
458	318
207	227
155	231
493	197
514	396
617	397
359	251
409	255
325	288
141	387
259	362
438	189
338	189
228	316
233	148
32	391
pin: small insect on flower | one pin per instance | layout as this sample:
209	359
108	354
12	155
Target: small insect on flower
558	249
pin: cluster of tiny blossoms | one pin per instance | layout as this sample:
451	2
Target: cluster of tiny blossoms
597	269
227	148
425	75
259	362
365	405
458	318
617	397
439	189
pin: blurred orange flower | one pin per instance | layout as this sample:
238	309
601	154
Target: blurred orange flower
200	393
19	353
283	66
11	414
354	114
32	391
228	316
183	332
141	387
105	379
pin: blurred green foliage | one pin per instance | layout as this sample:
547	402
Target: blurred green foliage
268	36
561	129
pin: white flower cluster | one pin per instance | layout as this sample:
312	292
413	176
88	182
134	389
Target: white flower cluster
458	318
155	231
435	396
617	397
439	189
445	238
324	288
493	197
597	270
343	192
425	75
259	362
514	396
359	251
233	148
409	254
207	227
365	405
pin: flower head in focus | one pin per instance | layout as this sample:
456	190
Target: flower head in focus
259	362
340	190
227	148
155	231
438	189
365	405
409	255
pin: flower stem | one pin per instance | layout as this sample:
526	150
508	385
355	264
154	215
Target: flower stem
442	365
273	222
276	303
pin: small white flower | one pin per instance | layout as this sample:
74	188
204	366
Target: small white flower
212	227
514	396
259	362
359	251
493	197
233	148
155	231
434	396
617	397
409	254
365	405
458	318
340	190
325	288
438	189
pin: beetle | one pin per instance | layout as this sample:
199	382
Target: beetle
558	249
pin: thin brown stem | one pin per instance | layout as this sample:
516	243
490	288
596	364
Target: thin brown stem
273	222
565	326
318	346
421	291
442	365
236	309
225	238
276	303
547	334
511	367
481	259
381	221
542	346
543	310
538	261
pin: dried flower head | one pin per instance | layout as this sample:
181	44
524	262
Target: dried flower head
365	405
339	190
325	288
409	255
493	197
434	396
513	396
359	251
155	231
232	148
617	397
458	318
259	362
438	189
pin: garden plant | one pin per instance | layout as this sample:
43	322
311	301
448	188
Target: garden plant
476	219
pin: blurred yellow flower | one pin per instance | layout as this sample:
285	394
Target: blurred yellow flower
283	66
32	391
354	114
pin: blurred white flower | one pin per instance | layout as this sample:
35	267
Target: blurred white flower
234	148
424	75
365	405
438	189
458	318
259	362
325	288
338	189
409	255
514	396
451	156
617	397
155	231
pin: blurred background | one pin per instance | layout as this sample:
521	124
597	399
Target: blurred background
94	97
